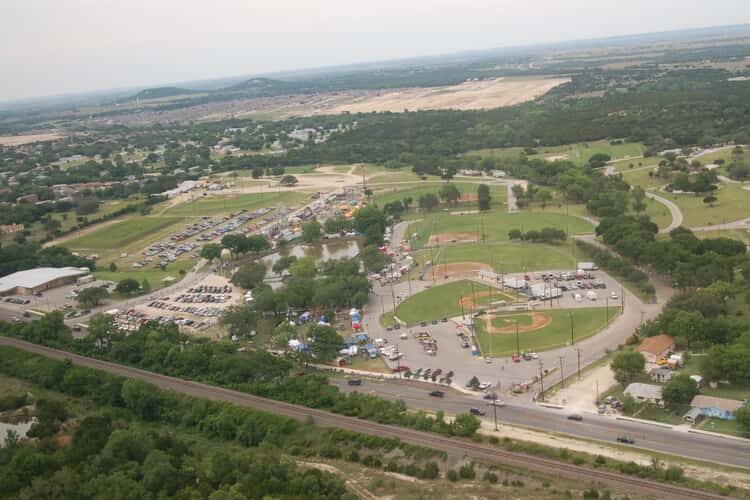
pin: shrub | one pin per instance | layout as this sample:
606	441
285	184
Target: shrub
452	475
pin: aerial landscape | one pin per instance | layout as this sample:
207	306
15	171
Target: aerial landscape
376	265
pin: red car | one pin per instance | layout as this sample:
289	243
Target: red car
516	358
401	368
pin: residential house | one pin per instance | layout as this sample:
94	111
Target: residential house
720	408
645	393
661	374
656	347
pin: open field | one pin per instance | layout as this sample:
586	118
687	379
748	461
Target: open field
506	257
659	213
436	303
19	140
485	94
155	277
211	205
121	234
577	153
641	177
737	234
733	204
535	335
495	224
388	194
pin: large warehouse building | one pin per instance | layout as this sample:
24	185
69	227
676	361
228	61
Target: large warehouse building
37	280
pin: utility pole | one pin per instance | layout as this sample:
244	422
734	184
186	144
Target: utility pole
518	344
494	411
393	297
432	265
579	363
562	376
541	381
622	300
398	362
572	337
606	309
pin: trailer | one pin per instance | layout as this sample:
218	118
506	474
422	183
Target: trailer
587	266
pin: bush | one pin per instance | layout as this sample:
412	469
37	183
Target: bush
467	471
490	477
452	475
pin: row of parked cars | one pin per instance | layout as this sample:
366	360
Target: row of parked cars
17	300
203	298
208	312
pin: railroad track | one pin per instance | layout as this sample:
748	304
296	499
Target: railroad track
459	447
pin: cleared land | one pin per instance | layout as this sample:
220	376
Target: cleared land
503	257
18	140
155	277
485	94
541	330
436	302
122	234
211	205
495	224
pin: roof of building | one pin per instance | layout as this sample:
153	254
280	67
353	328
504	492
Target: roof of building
656	345
701	401
647	391
32	278
693	414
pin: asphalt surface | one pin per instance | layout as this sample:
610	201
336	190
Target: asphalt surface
727	451
456	447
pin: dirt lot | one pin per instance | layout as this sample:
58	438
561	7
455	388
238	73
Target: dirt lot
18	140
443	238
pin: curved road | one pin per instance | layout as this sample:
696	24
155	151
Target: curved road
454	447
674	210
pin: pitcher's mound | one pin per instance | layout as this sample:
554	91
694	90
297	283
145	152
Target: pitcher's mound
443	238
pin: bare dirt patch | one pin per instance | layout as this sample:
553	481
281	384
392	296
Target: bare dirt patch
19	140
467	197
470	302
463	269
538	321
443	238
556	157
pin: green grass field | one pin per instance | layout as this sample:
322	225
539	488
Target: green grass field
504	257
737	234
733	204
497	223
659	213
437	302
122	234
212	205
577	153
387	194
641	177
587	321
155	277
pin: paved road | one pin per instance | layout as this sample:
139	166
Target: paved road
674	210
454	447
604	428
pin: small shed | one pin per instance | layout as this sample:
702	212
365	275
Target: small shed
692	416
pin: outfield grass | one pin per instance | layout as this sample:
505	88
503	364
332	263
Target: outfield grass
587	321
496	223
212	205
155	277
387	194
577	153
121	234
503	257
437	302
733	204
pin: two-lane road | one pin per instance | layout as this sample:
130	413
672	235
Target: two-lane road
655	438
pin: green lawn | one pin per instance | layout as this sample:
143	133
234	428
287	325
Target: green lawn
659	414
658	212
737	234
733	204
386	194
155	277
504	257
121	234
212	205
641	177
577	153
496	224
435	303
587	321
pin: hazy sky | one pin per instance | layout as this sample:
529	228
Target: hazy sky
50	47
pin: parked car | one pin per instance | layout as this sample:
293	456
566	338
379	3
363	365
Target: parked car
625	439
488	360
434	322
444	320
575	416
422	323
402	368
354	381
516	358
613	296
437	394
490	395
484	386
499	403
476	411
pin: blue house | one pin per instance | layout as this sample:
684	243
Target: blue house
721	408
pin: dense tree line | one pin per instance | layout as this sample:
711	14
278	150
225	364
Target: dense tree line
21	256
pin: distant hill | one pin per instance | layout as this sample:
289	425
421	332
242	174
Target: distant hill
161	92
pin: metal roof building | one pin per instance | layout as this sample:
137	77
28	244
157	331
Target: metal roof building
36	280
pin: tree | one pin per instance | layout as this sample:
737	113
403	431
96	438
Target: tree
90	297
338	224
450	193
428	202
484	199
257	173
235	243
599	160
325	343
680	390
627	365
239	319
249	275
288	180
283	263
211	251
544	197
371	222
515	234
311	231
142	398
127	286
639	199
373	259
102	329
465	425
743	420
112	267
710	200
257	243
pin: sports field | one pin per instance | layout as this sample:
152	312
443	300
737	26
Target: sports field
540	330
211	205
507	257
121	234
439	302
495	224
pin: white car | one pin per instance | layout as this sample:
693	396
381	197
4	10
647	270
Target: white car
488	360
497	402
613	296
484	386
534	355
